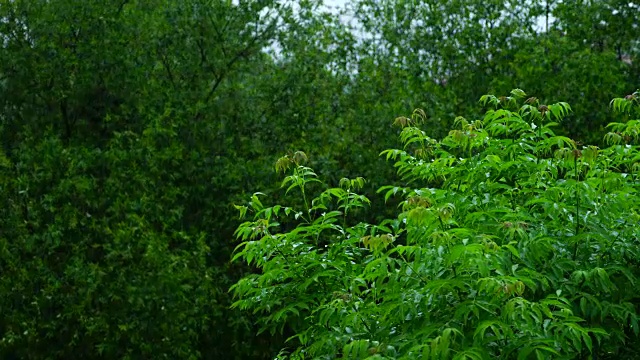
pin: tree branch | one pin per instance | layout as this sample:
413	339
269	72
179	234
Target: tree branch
241	54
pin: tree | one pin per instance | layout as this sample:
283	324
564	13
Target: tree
511	241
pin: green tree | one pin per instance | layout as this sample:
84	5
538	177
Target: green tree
125	135
511	242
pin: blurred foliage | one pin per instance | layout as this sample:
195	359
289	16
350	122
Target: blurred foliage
129	128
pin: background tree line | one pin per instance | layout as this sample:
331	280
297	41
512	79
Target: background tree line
129	128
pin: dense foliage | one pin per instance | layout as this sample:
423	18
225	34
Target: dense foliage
510	242
129	128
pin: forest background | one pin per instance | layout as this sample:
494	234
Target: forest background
130	128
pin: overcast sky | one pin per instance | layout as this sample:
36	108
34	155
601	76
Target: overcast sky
333	3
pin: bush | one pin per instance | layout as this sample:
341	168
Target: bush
510	242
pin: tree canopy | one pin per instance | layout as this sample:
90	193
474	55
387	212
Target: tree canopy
129	129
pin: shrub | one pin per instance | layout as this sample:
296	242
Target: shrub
510	242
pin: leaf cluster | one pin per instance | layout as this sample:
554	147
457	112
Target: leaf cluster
509	242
